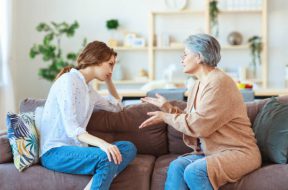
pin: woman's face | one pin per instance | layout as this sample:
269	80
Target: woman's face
190	61
105	69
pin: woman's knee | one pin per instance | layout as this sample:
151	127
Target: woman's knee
195	171
177	165
127	148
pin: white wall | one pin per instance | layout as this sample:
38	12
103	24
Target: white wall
92	14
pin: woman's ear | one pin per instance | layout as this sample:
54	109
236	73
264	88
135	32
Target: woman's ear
199	58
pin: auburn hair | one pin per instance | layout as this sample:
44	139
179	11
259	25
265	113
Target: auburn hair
94	53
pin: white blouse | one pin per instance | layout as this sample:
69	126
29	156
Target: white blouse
67	110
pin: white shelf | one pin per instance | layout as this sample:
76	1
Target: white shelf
130	48
126	82
240	11
152	51
168	48
235	47
177	12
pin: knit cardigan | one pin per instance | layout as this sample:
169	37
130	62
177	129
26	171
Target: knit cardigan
221	123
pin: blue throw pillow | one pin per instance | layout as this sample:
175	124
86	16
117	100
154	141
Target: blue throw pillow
271	131
23	138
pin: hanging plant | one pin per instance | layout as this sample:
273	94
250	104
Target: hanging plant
213	13
256	46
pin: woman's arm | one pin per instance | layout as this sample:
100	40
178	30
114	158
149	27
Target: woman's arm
213	111
111	88
110	149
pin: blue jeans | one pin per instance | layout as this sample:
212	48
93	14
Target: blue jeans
89	161
188	172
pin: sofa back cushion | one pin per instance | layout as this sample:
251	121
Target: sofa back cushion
5	149
271	131
30	104
254	107
124	126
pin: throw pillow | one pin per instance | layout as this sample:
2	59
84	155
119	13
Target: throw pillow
271	131
23	139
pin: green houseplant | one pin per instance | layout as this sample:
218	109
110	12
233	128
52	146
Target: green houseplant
50	49
213	13
256	47
112	26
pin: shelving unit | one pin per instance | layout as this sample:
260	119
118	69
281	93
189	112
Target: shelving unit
261	14
199	19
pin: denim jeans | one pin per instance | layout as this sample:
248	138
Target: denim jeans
188	172
89	161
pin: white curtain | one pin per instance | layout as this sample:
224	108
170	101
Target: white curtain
6	84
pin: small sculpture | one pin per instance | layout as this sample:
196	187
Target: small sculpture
235	38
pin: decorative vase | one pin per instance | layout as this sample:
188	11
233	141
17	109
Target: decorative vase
255	70
235	38
112	42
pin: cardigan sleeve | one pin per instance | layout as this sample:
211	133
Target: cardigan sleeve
211	114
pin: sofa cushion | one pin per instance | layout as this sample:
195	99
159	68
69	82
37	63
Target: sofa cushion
136	176
270	177
254	107
30	104
23	139
5	150
271	131
160	171
124	126
121	126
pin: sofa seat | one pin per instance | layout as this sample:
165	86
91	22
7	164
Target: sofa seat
160	169
270	177
38	177
275	176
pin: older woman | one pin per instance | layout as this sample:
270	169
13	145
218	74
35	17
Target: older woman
215	123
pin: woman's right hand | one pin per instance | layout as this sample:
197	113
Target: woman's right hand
112	151
159	101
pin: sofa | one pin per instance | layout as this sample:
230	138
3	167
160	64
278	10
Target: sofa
157	147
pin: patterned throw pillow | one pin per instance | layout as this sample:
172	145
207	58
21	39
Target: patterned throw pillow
23	138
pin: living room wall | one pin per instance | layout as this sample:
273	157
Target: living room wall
92	15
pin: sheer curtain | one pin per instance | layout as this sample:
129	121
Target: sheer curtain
6	84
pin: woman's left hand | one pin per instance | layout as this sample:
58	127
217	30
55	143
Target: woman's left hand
157	118
159	101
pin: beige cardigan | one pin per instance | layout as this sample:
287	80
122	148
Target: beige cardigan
221	123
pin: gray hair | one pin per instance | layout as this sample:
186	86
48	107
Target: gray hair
206	46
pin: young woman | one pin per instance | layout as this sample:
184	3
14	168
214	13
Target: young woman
215	123
63	120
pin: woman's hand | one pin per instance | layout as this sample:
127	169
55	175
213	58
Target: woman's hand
112	151
109	78
159	101
111	87
157	118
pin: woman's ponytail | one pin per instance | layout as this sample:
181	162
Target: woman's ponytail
64	70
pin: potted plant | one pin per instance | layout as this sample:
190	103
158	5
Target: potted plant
50	49
112	25
213	13
256	46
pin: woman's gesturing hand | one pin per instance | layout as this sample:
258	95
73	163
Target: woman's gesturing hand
154	120
113	152
159	101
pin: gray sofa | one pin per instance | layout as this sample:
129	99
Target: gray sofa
157	147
